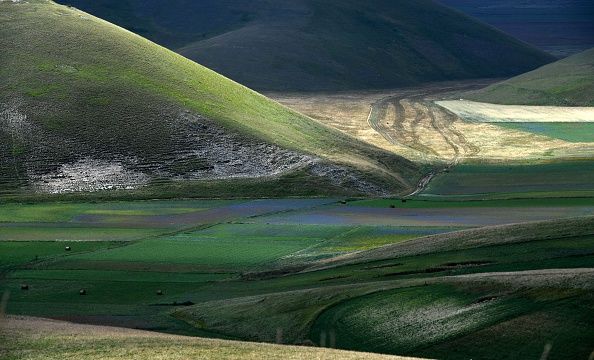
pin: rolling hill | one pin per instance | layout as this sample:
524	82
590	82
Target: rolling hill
499	292
88	106
567	82
325	45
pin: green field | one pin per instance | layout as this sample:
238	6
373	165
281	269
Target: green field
225	253
553	179
422	203
22	252
572	132
260	270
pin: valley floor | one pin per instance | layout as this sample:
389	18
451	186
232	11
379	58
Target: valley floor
430	125
424	278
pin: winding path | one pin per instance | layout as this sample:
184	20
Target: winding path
405	118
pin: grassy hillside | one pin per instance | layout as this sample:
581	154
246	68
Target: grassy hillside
567	82
33	338
325	45
477	238
86	105
438	301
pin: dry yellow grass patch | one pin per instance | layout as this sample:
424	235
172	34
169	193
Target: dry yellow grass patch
517	113
34	338
412	125
347	112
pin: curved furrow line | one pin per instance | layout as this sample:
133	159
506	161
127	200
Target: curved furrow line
450	118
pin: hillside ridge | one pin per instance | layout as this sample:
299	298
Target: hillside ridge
304	45
113	111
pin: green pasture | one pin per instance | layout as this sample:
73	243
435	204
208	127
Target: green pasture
423	203
67	211
245	278
554	179
74	233
117	276
106	286
209	253
572	132
13	253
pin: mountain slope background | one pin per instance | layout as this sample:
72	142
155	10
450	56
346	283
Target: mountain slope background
88	106
325	45
560	27
567	82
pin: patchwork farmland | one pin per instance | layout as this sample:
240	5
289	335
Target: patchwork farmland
255	269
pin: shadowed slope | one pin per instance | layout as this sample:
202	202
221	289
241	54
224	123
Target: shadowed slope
325	45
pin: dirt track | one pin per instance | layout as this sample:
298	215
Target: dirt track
408	122
404	119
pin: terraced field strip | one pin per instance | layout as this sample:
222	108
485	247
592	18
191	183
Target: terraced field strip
431	214
572	124
485	112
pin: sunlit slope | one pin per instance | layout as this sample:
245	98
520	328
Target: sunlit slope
567	82
81	97
33	338
325	45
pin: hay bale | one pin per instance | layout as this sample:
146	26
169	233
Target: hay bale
67	248
159	292
82	292
24	287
